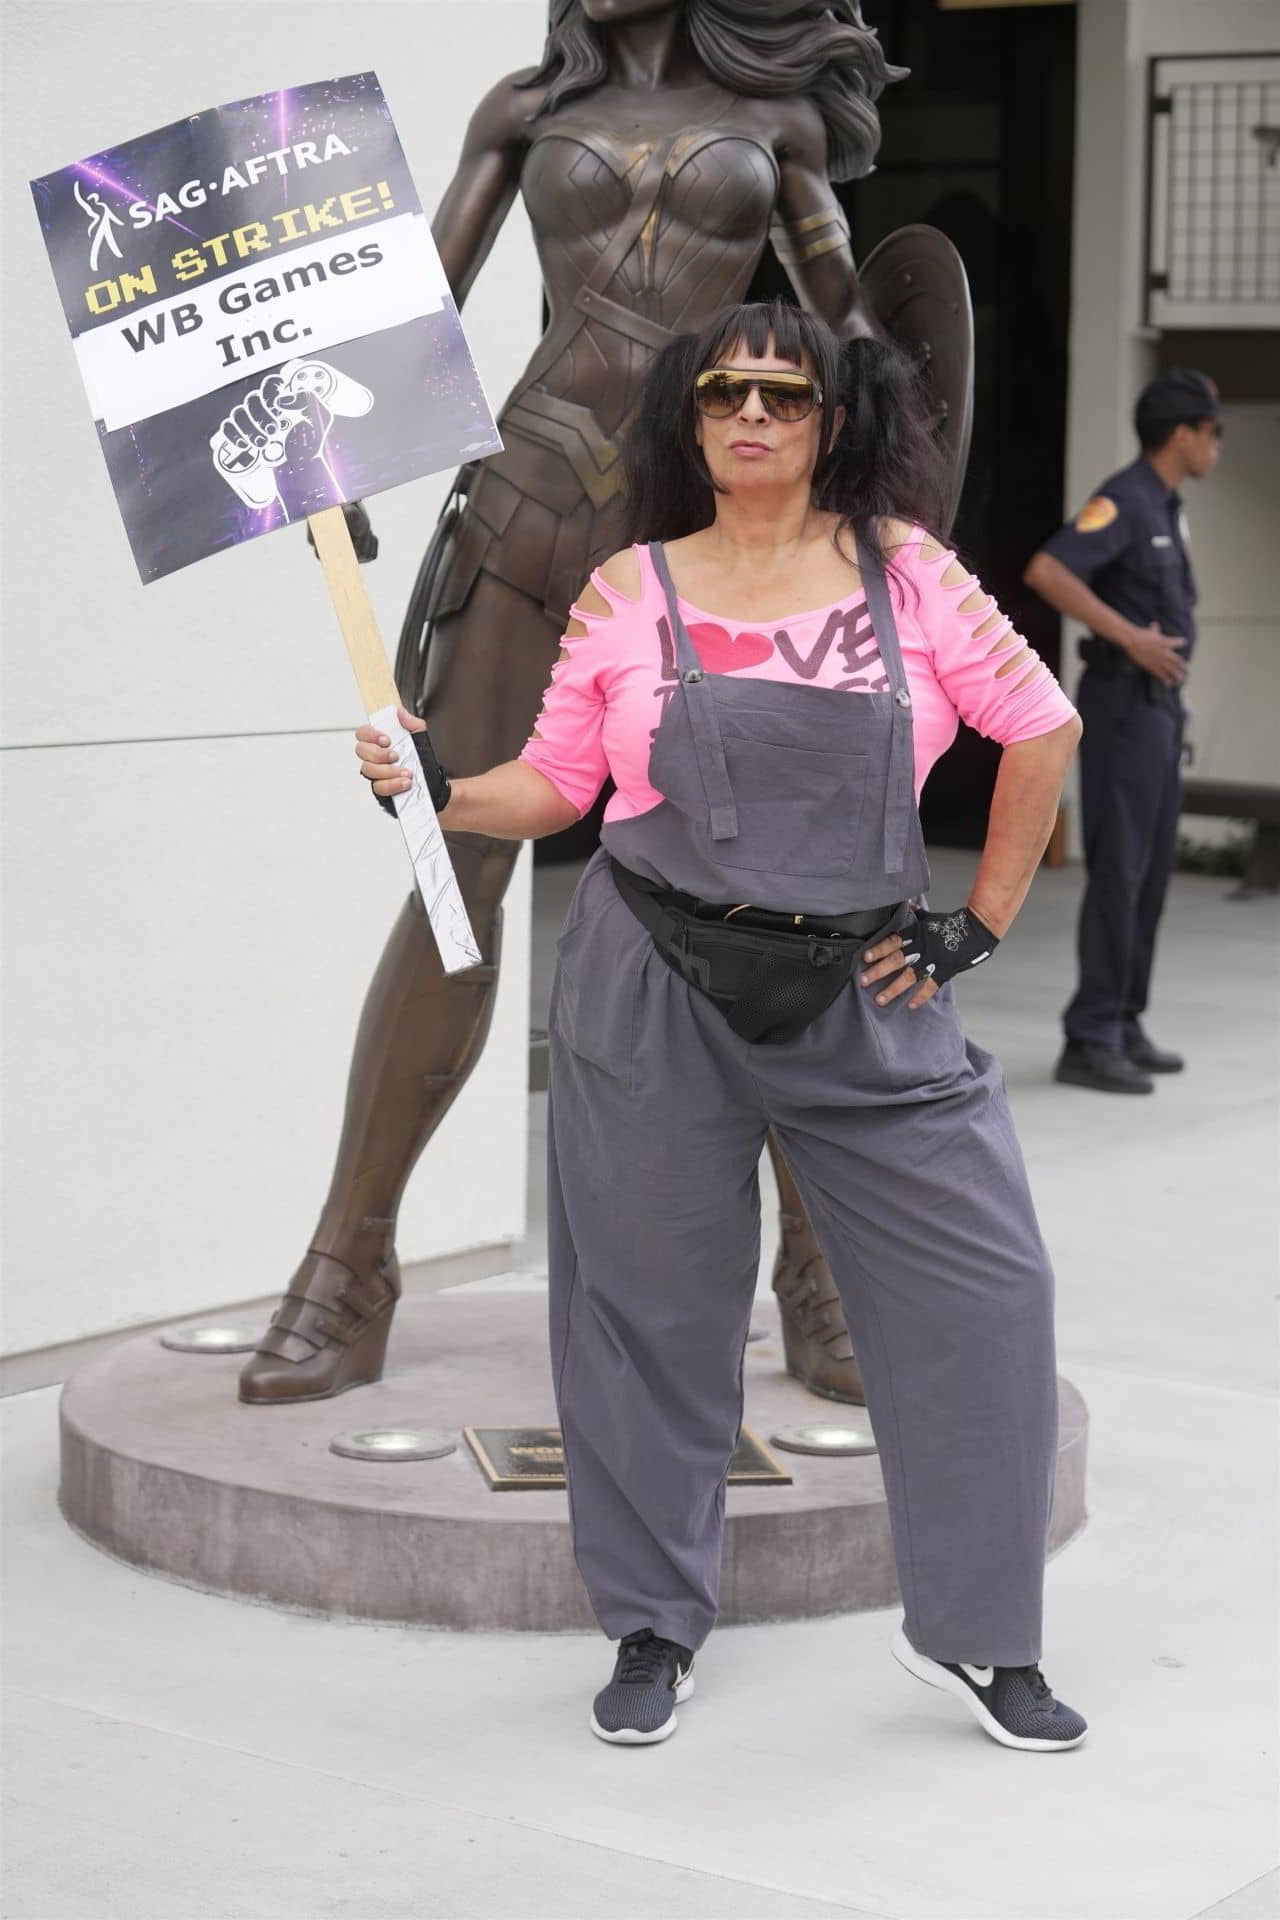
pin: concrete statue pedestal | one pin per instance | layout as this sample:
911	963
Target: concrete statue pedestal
164	1468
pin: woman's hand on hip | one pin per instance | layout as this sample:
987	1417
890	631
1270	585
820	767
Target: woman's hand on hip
926	954
886	969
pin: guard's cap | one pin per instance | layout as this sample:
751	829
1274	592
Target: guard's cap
1179	394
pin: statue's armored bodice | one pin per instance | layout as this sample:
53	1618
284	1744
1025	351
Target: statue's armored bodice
708	219
648	218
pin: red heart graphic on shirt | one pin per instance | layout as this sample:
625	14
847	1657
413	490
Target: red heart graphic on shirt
723	652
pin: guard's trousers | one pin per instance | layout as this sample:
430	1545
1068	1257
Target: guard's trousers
899	1136
1130	800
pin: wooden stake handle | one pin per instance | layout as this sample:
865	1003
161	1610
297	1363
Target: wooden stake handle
355	612
433	870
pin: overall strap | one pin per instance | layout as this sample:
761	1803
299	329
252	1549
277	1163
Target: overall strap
899	799
700	705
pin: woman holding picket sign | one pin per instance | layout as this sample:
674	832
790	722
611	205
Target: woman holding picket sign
768	675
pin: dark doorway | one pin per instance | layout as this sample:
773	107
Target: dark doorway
979	142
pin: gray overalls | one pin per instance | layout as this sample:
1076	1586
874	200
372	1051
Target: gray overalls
899	1136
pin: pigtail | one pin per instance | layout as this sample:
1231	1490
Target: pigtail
886	463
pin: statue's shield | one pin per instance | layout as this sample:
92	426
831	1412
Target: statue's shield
915	283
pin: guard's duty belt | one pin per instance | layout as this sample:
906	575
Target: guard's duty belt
770	974
1111	662
1107	658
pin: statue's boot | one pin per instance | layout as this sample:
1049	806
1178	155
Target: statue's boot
421	1032
815	1336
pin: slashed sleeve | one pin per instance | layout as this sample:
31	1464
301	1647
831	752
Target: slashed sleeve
997	683
566	745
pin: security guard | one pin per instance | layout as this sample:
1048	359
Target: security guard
1121	569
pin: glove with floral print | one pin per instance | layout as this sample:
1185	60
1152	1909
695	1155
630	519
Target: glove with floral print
933	946
940	945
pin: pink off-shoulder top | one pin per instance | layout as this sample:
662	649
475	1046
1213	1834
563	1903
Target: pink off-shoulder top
962	659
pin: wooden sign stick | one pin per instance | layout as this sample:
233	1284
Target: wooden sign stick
437	883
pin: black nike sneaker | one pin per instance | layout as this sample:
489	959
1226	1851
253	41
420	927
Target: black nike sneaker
639	1704
1013	1704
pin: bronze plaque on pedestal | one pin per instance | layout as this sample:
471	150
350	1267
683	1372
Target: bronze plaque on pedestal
514	1457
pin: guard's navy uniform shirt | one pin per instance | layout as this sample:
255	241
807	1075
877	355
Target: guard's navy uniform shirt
1127	544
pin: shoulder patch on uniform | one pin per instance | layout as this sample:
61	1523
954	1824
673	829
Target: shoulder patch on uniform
1096	514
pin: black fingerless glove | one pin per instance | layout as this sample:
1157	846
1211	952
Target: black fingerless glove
436	778
941	945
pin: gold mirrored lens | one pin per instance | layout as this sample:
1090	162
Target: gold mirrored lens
789	403
788	396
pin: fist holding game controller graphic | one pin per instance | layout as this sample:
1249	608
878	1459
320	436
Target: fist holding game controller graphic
285	420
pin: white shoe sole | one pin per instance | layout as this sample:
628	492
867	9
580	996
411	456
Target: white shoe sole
934	1675
631	1736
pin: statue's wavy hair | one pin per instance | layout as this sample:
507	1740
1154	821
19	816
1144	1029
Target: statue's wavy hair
767	48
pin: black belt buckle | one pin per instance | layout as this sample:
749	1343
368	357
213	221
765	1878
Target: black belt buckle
812	926
818	929
772	921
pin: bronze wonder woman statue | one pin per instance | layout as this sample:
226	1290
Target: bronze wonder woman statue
658	148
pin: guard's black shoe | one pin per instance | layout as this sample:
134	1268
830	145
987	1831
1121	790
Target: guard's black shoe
1105	1069
1013	1704
1149	1058
639	1704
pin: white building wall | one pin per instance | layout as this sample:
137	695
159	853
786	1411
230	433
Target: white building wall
197	891
1234	692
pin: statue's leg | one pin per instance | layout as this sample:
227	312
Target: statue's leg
421	1031
815	1336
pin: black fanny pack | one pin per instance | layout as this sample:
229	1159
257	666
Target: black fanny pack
769	981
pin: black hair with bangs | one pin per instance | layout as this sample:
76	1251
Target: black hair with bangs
884	464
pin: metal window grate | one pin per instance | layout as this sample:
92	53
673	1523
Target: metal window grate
1213	192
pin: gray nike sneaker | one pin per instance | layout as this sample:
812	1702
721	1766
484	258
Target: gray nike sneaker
1013	1704
639	1704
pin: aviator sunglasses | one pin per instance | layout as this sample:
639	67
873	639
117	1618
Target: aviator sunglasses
720	392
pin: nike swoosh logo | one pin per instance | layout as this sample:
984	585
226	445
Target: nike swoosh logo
980	1676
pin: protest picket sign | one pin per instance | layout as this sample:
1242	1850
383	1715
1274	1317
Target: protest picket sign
264	331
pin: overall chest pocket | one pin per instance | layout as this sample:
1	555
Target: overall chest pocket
799	787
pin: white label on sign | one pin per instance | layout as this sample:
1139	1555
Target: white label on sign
279	308
437	882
